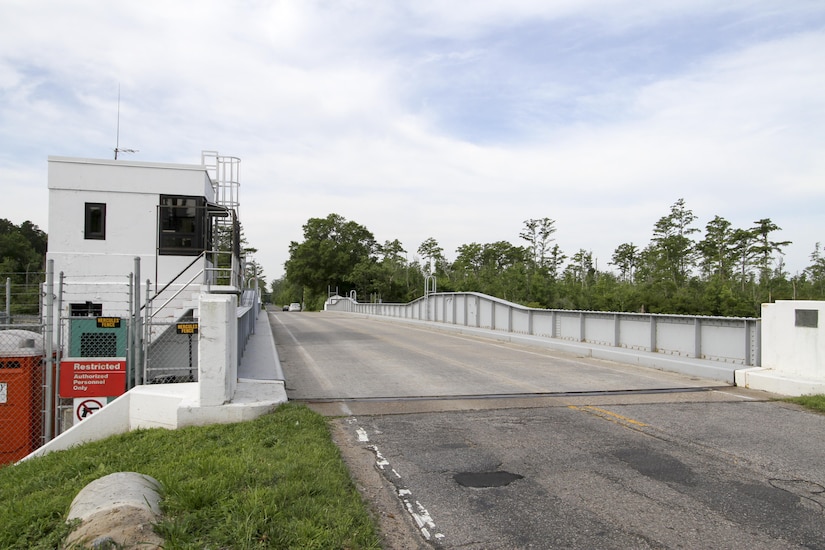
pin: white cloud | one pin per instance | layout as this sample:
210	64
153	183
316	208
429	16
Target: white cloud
434	119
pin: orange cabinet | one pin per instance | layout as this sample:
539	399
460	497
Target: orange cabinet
21	393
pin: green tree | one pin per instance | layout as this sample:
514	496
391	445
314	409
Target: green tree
555	261
392	283
23	262
495	268
743	248
431	254
284	292
671	246
467	267
580	269
625	258
717	249
816	273
503	270
764	248
538	233
331	249
22	248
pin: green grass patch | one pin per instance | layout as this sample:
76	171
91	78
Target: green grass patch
812	402
274	482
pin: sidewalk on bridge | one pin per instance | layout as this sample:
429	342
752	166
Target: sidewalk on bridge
260	358
260	377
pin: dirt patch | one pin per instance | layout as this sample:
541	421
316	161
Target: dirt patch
124	527
396	526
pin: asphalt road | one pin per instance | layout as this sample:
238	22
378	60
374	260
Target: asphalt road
489	445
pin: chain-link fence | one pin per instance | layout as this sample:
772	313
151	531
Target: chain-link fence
96	342
172	352
22	367
21	297
88	340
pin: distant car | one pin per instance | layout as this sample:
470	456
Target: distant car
294	306
286	308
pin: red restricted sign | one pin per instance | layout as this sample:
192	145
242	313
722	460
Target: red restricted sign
92	377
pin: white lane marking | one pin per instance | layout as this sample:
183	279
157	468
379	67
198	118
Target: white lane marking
419	514
380	461
735	395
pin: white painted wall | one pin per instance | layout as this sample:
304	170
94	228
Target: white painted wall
791	349
217	349
131	191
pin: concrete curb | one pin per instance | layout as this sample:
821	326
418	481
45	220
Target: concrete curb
117	511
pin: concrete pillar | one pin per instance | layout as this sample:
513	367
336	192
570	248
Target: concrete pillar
793	338
217	349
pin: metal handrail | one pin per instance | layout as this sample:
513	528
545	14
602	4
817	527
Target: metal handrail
175	295
175	278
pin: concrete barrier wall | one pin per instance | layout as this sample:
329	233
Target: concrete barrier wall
732	340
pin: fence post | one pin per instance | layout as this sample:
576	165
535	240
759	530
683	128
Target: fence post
131	367
147	322
652	333
48	327
617	335
135	325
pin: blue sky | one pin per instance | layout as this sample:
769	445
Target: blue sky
453	120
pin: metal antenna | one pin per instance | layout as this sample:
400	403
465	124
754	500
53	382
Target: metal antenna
117	137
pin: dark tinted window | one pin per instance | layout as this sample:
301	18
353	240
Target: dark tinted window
95	221
182	225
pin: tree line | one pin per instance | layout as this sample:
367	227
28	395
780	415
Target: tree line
22	263
721	271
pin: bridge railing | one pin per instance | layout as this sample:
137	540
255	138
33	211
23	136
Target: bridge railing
734	340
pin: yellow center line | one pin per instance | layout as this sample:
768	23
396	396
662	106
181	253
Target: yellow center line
604	412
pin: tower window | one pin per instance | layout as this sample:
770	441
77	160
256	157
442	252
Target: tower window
95	221
183	228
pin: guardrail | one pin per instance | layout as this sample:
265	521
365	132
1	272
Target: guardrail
247	314
733	340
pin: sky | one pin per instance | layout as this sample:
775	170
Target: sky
424	119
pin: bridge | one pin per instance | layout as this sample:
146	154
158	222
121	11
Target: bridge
471	437
722	348
470	422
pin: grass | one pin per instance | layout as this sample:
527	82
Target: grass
812	402
274	482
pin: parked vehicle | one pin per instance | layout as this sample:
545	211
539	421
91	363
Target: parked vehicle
294	306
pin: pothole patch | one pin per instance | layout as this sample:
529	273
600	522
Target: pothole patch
483	480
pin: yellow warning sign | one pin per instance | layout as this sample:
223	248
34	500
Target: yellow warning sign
108	322
187	328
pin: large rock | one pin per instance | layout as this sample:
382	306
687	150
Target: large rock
117	511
